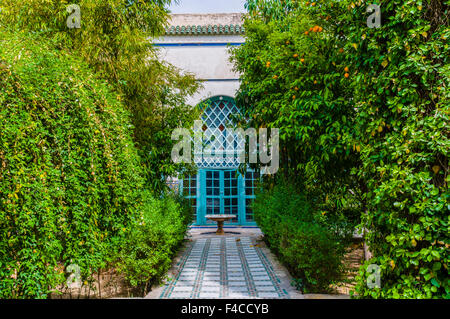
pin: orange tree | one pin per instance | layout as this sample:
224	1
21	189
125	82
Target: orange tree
367	108
400	74
294	78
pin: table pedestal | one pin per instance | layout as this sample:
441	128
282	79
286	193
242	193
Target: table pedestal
220	219
220	227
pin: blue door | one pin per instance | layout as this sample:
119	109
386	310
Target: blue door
221	195
218	192
218	188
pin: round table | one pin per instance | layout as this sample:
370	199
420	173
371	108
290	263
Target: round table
220	219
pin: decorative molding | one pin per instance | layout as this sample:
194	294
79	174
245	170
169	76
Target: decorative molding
216	29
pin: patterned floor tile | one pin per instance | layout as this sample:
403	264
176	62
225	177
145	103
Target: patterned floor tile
224	268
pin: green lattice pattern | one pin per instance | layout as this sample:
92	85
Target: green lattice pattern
217	118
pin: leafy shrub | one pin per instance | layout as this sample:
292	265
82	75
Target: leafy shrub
69	172
310	251
401	80
154	240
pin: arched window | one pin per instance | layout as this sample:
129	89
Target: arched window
217	119
218	188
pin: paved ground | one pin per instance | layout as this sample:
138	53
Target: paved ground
236	265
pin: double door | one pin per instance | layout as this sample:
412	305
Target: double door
222	194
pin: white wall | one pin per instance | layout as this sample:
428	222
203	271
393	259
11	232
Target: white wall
208	58
206	62
211	89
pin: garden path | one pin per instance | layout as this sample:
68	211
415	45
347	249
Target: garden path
236	265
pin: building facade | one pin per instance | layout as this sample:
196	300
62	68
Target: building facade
199	44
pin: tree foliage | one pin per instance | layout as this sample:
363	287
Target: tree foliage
115	39
362	111
401	80
293	78
70	176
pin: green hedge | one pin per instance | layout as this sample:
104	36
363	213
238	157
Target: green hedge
69	172
154	240
402	126
310	251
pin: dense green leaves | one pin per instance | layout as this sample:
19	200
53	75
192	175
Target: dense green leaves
310	250
363	121
403	103
69	172
75	103
115	39
294	79
150	246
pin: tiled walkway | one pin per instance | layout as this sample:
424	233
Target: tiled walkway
224	267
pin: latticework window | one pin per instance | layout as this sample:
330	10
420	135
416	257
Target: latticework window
217	121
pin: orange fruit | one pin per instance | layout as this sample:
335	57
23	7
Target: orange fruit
436	169
392	263
295	55
346	75
320	29
306	32
275	77
267	64
302	60
341	50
